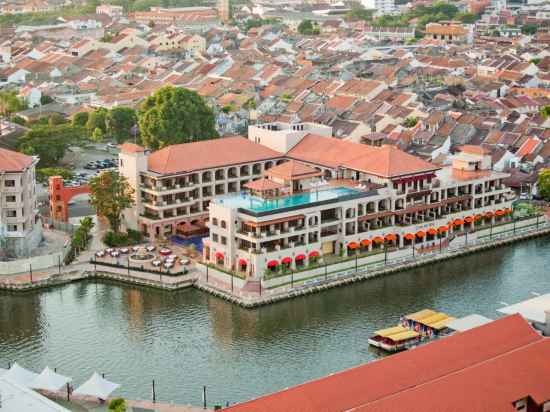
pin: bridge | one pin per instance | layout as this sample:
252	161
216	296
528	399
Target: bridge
60	196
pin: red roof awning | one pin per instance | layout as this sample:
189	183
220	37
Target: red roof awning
286	260
243	262
219	255
432	231
390	237
409	236
442	229
365	242
353	245
300	257
272	263
378	239
313	254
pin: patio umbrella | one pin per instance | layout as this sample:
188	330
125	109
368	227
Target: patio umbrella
50	381
97	387
20	375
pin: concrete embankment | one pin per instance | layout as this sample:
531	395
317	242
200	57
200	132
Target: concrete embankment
318	283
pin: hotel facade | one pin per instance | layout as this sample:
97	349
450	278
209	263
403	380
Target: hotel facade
332	198
291	195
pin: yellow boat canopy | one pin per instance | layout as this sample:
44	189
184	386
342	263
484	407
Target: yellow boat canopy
390	331
437	317
398	337
418	316
442	324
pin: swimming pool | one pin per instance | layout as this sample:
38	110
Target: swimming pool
256	204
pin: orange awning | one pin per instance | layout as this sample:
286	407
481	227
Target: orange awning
442	229
353	245
458	222
420	234
365	242
499	212
390	237
509	211
478	217
378	239
489	214
409	236
468	219
432	231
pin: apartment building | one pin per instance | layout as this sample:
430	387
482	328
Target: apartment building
20	229
174	186
381	7
447	31
333	197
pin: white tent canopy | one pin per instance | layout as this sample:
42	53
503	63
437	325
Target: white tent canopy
20	375
97	387
50	381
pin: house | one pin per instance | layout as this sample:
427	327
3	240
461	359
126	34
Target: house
446	31
31	95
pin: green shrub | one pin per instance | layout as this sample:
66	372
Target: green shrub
132	237
117	405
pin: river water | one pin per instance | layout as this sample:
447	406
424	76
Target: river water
187	339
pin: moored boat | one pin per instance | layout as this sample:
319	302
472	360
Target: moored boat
394	339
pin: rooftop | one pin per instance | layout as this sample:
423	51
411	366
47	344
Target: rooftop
439	369
11	161
187	157
531	309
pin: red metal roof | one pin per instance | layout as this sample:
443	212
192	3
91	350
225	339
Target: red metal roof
393	375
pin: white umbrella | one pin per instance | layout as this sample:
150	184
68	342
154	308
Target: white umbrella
50	381
20	375
97	387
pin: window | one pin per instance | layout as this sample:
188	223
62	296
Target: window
214	221
12	228
9	183
214	237
11	213
224	240
223	224
11	198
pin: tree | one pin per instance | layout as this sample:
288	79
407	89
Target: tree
43	174
117	405
96	119
11	103
545	111
410	122
110	194
175	115
529	29
467	18
97	135
119	121
544	184
307	27
358	12
80	119
49	143
45	99
55	119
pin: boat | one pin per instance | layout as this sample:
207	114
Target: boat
427	322
394	339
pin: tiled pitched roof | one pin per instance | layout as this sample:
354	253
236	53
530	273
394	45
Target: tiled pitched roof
207	154
11	161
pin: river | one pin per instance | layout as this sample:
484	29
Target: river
187	339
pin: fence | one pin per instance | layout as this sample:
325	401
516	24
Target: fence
129	268
35	262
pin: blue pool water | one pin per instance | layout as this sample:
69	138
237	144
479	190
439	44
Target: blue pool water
195	240
256	204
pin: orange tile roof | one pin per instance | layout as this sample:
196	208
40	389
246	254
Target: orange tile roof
207	154
401	373
292	170
385	161
131	148
11	161
388	161
261	185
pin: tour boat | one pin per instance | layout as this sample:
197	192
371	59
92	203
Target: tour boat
394	339
427	322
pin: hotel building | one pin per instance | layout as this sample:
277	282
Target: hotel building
20	228
175	185
325	198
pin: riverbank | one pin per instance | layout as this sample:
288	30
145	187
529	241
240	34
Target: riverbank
255	294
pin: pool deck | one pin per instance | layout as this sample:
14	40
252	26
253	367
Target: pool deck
251	295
